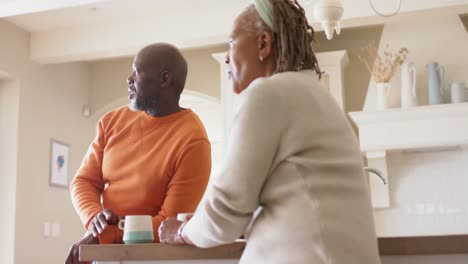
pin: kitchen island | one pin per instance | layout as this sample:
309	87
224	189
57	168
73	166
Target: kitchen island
230	253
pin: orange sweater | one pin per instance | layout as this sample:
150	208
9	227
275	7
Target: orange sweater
139	164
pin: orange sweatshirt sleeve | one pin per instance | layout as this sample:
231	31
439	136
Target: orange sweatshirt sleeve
88	183
188	184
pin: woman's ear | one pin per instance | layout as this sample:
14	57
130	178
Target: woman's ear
265	45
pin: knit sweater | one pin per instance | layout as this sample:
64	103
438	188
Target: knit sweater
292	180
142	165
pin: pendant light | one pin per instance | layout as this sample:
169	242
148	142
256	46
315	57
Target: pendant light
329	13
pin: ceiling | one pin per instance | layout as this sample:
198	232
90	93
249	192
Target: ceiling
102	12
71	30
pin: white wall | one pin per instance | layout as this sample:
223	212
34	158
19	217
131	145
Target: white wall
50	103
427	194
431	36
9	104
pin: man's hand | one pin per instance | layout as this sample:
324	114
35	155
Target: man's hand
73	256
102	220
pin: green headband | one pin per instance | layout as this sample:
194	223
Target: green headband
265	10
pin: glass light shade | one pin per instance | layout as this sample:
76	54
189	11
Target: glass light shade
329	13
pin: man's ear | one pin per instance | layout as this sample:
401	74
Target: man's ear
166	78
265	45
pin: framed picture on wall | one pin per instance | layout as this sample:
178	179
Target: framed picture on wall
59	163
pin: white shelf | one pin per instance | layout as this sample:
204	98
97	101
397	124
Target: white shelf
422	127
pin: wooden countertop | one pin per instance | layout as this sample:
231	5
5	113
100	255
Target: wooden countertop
450	244
159	252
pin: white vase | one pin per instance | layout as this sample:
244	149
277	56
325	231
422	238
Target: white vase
408	85
383	89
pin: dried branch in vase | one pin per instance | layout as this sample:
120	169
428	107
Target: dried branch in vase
382	68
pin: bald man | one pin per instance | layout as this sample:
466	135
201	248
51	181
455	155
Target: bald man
149	158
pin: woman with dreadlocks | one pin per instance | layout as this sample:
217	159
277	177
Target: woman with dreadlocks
292	181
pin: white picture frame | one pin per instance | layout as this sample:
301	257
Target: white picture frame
59	164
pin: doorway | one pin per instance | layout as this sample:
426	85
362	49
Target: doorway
9	112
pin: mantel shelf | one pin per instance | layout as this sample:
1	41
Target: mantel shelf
434	126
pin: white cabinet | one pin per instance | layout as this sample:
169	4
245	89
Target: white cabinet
333	64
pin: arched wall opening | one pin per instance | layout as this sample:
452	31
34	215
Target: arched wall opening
9	115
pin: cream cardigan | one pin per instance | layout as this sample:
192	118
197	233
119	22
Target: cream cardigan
292	180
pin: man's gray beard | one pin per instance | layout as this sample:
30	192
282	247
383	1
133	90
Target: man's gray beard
147	106
133	106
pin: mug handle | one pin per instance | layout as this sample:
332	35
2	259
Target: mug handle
442	73
413	70
121	224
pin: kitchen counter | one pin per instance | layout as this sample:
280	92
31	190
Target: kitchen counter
230	253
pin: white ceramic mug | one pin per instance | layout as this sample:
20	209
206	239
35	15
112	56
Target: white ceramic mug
459	93
137	229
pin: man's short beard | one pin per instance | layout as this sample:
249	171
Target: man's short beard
149	106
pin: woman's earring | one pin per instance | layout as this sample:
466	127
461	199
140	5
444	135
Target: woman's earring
261	59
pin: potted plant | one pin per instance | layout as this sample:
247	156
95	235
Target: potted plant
382	68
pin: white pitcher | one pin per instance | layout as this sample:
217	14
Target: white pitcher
408	85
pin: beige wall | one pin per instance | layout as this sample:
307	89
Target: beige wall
108	78
108	81
204	70
464	19
356	77
49	106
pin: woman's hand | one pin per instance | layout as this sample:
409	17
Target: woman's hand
170	231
